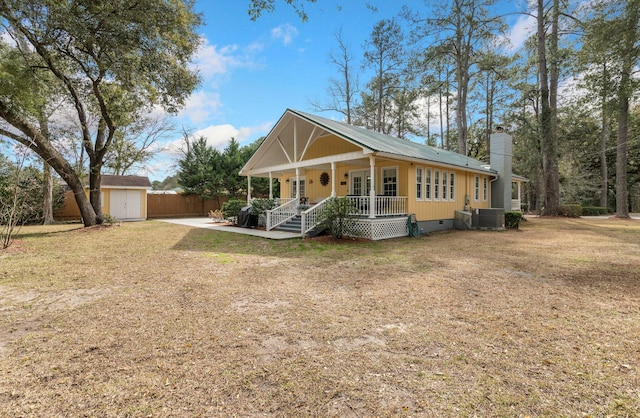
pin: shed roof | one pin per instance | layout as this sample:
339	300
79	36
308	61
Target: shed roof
125	181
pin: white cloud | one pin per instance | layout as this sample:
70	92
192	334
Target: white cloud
284	33
213	60
201	106
218	136
524	27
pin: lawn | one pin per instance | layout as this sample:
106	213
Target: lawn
151	319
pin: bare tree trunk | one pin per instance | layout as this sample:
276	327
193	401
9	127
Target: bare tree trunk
604	170
47	201
47	198
624	93
548	99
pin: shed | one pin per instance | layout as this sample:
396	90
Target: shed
125	197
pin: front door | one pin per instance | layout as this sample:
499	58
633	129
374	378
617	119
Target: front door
360	183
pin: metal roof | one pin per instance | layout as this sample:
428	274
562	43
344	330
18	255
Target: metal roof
387	144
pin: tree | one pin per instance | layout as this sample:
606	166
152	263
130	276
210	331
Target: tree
342	90
112	59
133	144
256	7
548	79
197	169
623	19
461	29
231	163
385	55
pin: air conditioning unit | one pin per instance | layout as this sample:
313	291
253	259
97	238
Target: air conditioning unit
492	218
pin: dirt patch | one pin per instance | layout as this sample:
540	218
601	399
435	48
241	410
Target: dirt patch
29	308
154	319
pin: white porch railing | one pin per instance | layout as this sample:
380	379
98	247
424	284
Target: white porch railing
281	214
384	205
311	216
516	204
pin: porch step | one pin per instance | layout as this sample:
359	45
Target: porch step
292	225
295	225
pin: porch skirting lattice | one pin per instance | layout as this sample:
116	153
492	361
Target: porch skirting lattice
380	228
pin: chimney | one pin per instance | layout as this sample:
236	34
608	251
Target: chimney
501	160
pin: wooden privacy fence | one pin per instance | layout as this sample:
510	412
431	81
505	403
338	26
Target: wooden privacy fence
158	206
177	205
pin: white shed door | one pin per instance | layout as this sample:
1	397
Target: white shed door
125	204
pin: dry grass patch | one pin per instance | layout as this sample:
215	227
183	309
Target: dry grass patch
153	319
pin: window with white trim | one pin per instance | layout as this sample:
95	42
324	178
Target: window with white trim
485	189
452	187
476	188
303	188
418	183
445	183
436	185
390	181
427	184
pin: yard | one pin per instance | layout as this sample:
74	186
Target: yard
156	320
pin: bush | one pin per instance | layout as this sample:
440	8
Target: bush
594	211
231	208
512	219
337	217
260	208
570	211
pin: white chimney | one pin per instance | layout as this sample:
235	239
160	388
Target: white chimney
501	160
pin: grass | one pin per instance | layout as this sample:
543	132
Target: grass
153	319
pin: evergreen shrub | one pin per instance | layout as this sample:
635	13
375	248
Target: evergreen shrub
512	219
570	211
231	208
594	210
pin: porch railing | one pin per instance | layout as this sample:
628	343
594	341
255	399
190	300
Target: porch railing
311	217
282	213
383	205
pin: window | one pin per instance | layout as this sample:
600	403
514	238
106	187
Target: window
357	186
445	183
427	184
418	183
452	189
389	181
303	189
485	189
476	188
436	185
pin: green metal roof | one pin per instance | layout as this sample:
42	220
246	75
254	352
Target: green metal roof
402	148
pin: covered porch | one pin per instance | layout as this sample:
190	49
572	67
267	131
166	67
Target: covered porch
386	218
313	160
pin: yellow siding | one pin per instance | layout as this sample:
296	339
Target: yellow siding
106	199
425	210
329	145
433	209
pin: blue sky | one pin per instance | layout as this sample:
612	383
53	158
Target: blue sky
253	71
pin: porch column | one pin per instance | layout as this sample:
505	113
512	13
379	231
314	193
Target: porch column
270	186
372	192
333	179
297	184
248	189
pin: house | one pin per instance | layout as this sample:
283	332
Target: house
125	197
386	178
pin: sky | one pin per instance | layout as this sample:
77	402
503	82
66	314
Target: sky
252	71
